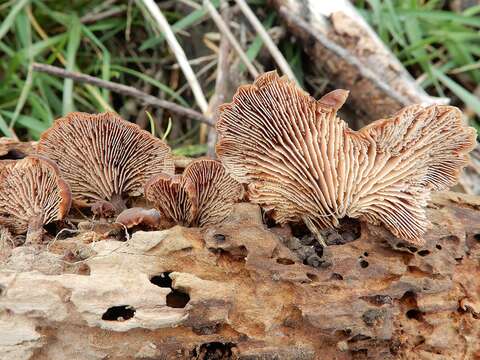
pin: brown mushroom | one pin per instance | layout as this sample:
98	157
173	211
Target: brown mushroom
203	195
104	158
299	159
149	218
174	197
32	194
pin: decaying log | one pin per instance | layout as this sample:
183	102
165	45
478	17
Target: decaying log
235	291
338	39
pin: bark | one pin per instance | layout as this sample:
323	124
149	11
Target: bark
235	291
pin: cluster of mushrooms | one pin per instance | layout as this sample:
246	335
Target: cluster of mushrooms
290	152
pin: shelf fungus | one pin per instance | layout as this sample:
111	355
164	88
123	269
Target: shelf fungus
304	163
104	158
32	194
203	195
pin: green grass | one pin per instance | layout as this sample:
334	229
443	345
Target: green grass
126	49
437	45
52	32
441	47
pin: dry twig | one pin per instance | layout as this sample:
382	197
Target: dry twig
182	60
91	18
225	30
124	90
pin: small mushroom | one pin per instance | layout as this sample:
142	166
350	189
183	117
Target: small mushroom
300	160
136	216
104	158
203	195
32	194
174	196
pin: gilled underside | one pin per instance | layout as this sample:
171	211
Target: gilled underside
103	156
303	162
31	191
203	195
174	197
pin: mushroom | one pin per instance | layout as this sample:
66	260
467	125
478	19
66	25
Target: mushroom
136	216
32	194
175	198
203	195
104	158
304	163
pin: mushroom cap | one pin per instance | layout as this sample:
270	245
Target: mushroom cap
137	215
299	159
203	195
32	188
103	156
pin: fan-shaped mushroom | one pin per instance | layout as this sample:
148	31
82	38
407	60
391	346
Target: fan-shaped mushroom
303	162
104	157
204	195
32	194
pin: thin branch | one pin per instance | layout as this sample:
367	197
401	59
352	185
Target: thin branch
91	18
124	90
267	40
223	84
165	28
223	27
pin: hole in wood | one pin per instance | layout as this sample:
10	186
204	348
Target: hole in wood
119	313
285	261
177	299
163	280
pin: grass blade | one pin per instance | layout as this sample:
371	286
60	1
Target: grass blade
463	94
5	129
10	19
23	97
72	47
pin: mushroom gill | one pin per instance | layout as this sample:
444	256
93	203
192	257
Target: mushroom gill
104	158
32	194
203	195
300	160
174	197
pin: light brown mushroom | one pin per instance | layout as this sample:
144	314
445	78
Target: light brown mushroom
174	197
32	194
300	160
149	218
104	158
203	195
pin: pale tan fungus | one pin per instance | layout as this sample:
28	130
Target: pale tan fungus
135	216
104	158
32	194
204	195
300	160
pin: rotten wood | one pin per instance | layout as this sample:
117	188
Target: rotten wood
242	291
